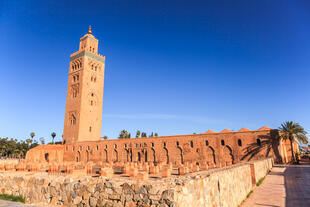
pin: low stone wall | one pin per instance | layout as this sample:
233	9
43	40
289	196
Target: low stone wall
219	187
261	168
222	187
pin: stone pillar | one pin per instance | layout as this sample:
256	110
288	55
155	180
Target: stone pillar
183	170
195	168
133	172
106	172
126	169
166	172
143	176
145	167
204	166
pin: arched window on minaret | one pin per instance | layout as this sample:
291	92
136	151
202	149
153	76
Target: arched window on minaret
72	119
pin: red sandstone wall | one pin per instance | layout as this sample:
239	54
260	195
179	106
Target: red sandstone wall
46	153
215	148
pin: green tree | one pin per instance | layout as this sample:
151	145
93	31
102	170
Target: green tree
124	134
143	134
152	135
138	134
156	134
53	136
105	137
294	132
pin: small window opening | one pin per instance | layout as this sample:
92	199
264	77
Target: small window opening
259	143
239	142
46	157
222	142
207	143
164	144
177	143
192	144
90	129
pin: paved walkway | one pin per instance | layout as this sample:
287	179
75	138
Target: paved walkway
285	186
12	204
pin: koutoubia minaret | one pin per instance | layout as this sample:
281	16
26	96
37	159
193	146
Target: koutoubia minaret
85	92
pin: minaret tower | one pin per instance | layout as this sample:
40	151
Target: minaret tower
85	92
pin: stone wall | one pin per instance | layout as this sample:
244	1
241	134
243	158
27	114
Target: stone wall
218	187
261	168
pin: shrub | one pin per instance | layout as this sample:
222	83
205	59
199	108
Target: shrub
12	198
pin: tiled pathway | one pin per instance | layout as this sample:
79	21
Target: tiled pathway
285	186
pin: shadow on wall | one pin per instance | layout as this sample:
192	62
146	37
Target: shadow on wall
262	147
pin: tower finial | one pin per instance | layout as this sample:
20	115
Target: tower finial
89	30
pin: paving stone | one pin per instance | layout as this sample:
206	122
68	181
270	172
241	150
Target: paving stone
285	186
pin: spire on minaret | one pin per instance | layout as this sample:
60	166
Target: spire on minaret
89	30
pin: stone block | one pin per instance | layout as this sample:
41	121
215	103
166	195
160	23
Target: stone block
195	168
143	176
166	172
106	172
182	170
133	172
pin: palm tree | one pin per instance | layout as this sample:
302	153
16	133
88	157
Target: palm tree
32	134
28	141
294	132
53	136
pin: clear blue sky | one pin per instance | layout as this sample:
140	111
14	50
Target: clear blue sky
172	67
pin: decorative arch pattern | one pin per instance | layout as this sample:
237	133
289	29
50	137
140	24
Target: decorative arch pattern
228	156
210	156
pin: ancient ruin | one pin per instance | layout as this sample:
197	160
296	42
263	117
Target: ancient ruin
84	153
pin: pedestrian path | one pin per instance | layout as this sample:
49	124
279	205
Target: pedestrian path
12	204
284	186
